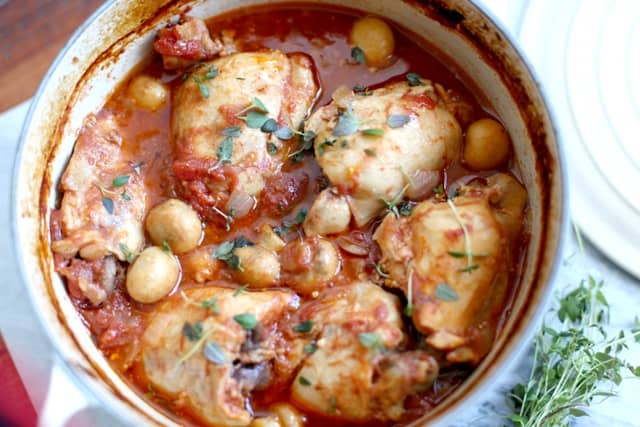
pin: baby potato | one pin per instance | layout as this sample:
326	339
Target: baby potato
175	222
486	145
375	38
309	263
287	415
265	422
329	214
259	266
152	275
147	93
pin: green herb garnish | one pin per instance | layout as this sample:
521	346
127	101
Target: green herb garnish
398	120
108	205
325	143
128	254
120	181
225	252
204	90
214	353
211	304
373	132
347	124
233	131
310	348
303	381
358	55
414	79
444	292
248	321
392	205
371	340
192	331
304	327
242	289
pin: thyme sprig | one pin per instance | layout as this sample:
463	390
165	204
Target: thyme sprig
467	238
573	365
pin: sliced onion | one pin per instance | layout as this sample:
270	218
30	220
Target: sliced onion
422	184
348	244
240	203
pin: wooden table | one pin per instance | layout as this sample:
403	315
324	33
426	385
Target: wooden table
32	32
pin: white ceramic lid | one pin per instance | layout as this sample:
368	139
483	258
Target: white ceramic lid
587	54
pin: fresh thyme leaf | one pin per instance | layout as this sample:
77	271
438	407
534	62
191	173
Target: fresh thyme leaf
414	79
348	124
211	304
259	105
214	353
192	331
242	289
120	181
211	73
255	119
439	190
358	55
284	133
308	136
269	126
459	254
371	340
300	216
108	204
304	327
125	195
225	150
392	205
129	256
233	131
373	132
405	208
398	120
303	381
241	242
272	148
361	90
165	247
248	321
196	346
288	226
325	143
204	90
224	250
445	292
310	348
469	268
635	331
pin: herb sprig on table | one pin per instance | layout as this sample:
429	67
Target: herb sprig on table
575	364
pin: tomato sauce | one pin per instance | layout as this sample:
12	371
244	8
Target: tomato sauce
322	33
